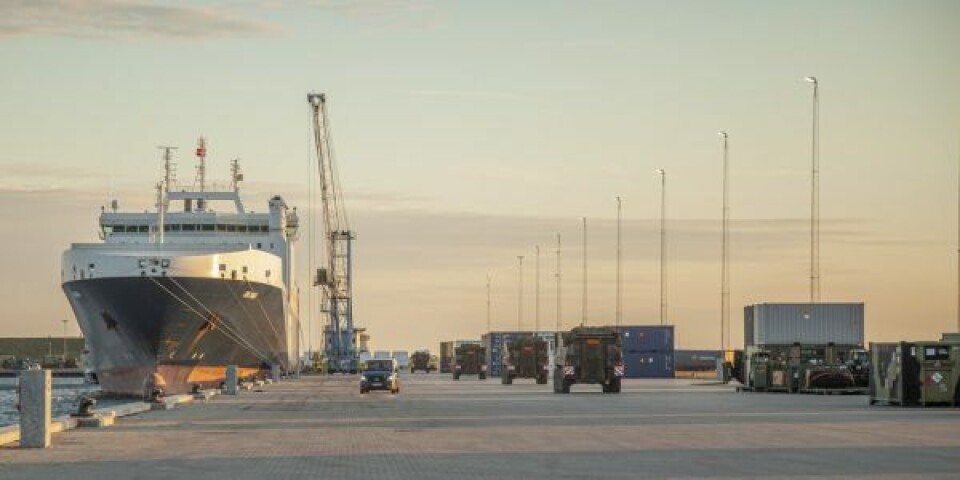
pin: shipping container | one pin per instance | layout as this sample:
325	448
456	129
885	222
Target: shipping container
695	360
809	324
494	341
648	365
647	338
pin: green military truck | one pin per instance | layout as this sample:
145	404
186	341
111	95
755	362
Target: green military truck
589	355
421	361
527	356
915	373
470	359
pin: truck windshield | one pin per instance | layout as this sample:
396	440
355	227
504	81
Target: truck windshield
379	365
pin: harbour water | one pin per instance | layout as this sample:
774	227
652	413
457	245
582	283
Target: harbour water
65	397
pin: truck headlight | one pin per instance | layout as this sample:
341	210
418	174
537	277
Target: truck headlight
363	378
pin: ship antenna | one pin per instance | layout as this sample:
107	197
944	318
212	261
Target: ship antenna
202	166
168	166
235	175
163	189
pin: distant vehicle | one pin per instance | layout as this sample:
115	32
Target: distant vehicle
470	359
382	355
525	357
380	374
589	355
402	358
421	360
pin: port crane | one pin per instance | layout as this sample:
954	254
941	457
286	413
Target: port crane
335	280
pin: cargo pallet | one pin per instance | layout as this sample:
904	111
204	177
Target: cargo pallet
808	391
835	391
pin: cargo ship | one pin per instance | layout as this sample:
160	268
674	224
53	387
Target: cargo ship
170	297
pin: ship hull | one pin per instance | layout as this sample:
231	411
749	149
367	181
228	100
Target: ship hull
174	333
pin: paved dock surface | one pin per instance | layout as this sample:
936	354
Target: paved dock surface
440	429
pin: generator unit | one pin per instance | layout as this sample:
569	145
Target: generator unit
804	368
915	373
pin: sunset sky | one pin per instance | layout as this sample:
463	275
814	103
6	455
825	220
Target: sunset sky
467	133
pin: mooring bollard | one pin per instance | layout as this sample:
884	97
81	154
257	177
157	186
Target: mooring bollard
275	373
35	390
230	384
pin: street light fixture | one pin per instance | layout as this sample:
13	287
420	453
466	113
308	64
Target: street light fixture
725	253
663	245
815	194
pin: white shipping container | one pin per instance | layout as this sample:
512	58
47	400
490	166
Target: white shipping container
817	324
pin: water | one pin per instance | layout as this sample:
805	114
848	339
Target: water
64	398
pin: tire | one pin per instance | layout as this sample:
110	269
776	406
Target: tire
615	386
456	376
483	376
363	392
542	379
566	387
505	379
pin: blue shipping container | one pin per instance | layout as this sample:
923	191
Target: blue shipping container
647	339
648	365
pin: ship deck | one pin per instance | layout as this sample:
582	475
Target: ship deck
436	428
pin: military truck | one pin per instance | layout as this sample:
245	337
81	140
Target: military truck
915	373
589	355
421	360
525	357
803	368
470	359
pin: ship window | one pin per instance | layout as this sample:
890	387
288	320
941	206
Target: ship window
267	273
119	229
108	229
163	263
189	227
92	266
231	228
143	228
264	228
241	228
142	263
175	227
233	274
259	245
244	269
207	227
223	267
166	227
221	228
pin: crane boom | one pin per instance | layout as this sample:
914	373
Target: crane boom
336	280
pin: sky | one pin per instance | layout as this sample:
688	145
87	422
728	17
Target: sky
468	133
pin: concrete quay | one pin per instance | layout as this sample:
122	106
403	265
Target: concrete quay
436	428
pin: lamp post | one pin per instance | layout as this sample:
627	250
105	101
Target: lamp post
520	294
725	253
663	245
583	301
619	317
536	304
488	303
815	195
559	317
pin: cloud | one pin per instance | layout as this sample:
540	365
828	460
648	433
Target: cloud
100	19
